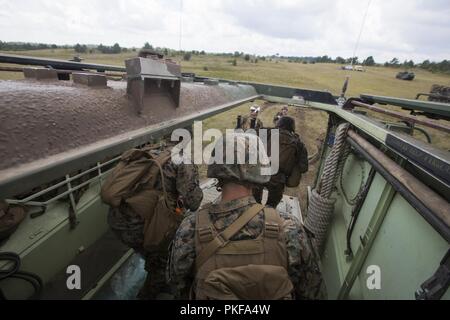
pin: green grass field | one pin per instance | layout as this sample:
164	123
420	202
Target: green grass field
321	76
311	125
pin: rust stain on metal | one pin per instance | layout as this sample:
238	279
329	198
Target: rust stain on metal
399	115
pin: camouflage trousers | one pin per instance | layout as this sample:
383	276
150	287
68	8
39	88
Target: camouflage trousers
129	229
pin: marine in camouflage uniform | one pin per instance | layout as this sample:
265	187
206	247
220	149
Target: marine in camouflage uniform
283	113
182	184
247	120
303	268
277	183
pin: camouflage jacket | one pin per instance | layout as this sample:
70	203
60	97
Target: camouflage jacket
182	181
303	268
277	117
246	123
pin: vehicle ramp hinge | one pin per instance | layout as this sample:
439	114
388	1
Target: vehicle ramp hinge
435	287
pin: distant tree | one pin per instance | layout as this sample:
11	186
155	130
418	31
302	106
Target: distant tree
166	51
394	62
54	46
80	48
148	46
353	60
247	57
202	52
340	60
116	48
323	59
425	64
187	56
410	64
370	61
234	63
133	49
237	54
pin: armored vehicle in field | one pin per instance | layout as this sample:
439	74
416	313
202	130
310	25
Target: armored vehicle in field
379	206
438	93
405	75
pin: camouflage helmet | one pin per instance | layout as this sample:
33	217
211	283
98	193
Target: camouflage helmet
246	162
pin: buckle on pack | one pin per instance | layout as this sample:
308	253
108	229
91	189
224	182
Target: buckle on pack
272	230
205	234
220	240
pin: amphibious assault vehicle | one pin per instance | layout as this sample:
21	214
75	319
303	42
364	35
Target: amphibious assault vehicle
379	206
405	75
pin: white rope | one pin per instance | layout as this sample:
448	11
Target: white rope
321	205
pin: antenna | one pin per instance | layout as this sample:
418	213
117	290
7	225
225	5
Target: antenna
181	26
360	32
347	79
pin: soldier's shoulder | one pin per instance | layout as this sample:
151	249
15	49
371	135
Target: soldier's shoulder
187	226
288	216
291	222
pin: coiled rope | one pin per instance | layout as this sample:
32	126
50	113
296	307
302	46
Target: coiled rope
356	198
321	205
14	272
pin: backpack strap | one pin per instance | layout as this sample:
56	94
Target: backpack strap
272	226
274	239
205	229
160	161
224	237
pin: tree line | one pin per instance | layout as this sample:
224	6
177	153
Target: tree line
443	66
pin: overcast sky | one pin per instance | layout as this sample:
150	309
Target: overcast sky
408	29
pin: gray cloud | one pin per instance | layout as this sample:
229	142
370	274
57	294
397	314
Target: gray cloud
414	29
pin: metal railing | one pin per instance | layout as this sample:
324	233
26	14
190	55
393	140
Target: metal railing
70	182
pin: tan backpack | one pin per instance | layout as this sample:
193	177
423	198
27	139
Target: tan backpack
293	158
131	187
241	270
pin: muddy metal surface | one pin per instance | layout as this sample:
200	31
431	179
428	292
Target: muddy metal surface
39	119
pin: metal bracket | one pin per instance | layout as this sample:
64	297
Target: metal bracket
435	287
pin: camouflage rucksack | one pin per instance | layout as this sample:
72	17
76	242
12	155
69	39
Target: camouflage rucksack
131	189
241	270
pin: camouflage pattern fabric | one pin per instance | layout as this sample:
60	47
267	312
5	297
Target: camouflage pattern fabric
247	145
247	121
182	182
303	268
277	117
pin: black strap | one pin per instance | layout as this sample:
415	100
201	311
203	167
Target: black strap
14	272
